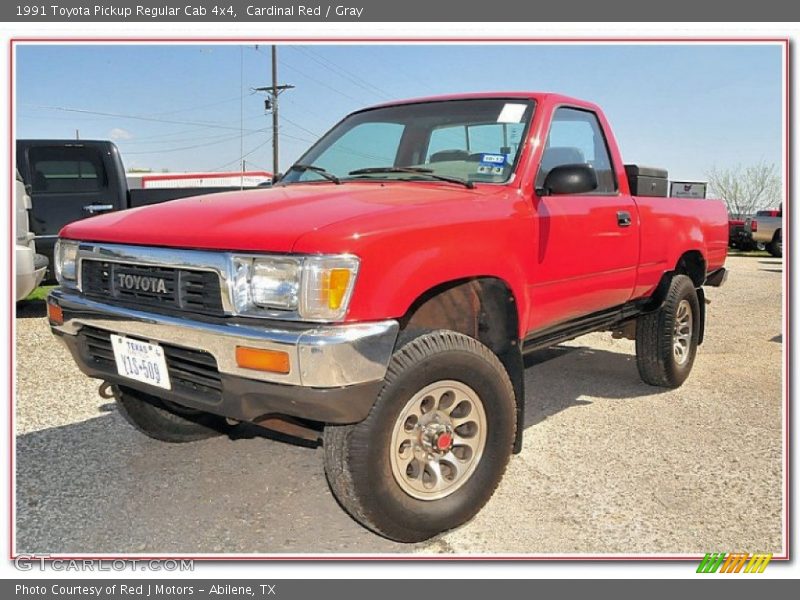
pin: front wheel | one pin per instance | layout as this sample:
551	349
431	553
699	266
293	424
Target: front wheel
435	445
666	339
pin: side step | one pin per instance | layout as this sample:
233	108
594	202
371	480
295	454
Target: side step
563	332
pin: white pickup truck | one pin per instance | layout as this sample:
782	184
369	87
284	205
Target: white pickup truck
30	267
767	228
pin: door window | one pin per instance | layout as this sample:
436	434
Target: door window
576	138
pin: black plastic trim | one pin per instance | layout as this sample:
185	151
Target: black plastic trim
717	278
568	330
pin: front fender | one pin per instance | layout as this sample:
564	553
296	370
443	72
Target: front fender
401	262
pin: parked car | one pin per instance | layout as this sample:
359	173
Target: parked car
735	231
387	289
72	180
30	266
740	239
767	228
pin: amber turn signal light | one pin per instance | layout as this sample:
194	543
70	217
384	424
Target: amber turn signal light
54	314
273	361
334	286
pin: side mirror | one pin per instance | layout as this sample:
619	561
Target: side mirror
570	179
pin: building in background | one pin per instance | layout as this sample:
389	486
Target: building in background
246	179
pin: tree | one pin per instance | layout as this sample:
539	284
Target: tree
746	189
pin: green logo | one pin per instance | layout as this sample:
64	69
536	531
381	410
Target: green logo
734	562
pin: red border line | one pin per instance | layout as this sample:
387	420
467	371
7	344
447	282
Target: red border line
11	307
410	558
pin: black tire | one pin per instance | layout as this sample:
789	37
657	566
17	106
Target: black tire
357	457
656	357
775	247
165	421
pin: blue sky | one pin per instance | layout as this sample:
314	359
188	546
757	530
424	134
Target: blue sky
683	107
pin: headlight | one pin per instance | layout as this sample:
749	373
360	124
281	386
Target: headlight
65	255
315	287
266	282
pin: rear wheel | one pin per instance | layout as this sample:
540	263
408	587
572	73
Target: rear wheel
775	247
166	421
666	339
435	445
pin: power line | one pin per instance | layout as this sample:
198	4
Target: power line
241	109
258	165
323	84
159	136
196	138
134	117
344	73
301	139
237	160
228	138
288	120
198	106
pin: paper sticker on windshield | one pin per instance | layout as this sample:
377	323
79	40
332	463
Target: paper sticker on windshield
492	164
512	113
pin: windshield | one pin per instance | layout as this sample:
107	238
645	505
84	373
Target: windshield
456	140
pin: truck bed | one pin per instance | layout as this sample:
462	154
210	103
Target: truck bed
670	226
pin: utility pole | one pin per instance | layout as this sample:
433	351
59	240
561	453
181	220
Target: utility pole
275	165
271	104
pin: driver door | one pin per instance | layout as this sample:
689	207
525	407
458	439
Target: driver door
587	246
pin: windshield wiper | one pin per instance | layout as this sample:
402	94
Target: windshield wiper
315	169
414	171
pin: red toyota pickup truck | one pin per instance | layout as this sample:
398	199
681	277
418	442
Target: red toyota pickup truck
385	292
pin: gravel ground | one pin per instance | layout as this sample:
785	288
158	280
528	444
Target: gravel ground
609	465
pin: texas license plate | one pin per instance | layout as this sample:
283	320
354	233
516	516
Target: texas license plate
140	361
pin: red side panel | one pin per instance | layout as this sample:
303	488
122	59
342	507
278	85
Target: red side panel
672	226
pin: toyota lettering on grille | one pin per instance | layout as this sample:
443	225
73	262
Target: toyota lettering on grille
141	283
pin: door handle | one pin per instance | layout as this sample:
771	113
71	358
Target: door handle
623	218
93	209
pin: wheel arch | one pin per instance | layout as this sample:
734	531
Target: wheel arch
693	264
482	307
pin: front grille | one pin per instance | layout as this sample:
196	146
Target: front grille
190	371
165	287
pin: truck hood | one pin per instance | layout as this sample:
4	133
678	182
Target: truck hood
269	220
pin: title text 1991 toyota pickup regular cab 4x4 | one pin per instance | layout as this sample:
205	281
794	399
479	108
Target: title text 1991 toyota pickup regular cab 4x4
387	289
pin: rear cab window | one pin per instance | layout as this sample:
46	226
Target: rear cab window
65	170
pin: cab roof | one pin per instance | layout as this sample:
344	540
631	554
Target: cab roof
539	97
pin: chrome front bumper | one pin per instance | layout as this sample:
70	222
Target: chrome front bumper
321	356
